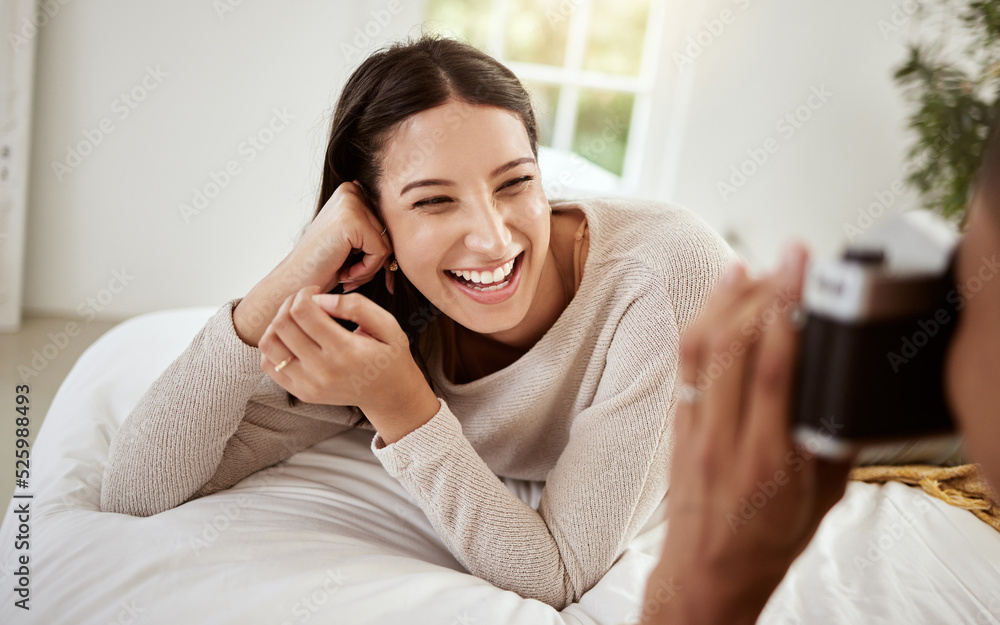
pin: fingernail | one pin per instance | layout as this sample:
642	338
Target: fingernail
790	261
316	299
733	270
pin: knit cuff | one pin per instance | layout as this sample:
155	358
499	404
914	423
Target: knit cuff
241	360
424	444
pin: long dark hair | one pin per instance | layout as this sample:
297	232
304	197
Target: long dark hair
392	84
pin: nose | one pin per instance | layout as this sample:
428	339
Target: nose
488	233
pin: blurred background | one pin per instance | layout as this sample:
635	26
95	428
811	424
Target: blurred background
166	154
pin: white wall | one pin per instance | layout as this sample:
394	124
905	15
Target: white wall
118	209
225	74
764	65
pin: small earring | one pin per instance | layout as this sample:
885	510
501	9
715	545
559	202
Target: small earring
393	266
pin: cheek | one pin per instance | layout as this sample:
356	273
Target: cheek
973	394
956	372
418	245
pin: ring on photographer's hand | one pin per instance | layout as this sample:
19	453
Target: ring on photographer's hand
797	317
688	394
284	363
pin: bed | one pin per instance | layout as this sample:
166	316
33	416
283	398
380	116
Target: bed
329	537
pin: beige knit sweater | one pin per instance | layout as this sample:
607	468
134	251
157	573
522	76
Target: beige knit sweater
587	410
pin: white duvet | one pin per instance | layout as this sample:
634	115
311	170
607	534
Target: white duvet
329	537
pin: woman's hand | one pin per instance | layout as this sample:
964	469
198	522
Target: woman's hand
321	257
744	500
370	368
344	224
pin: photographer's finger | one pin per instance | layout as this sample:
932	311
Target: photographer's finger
692	378
791	272
770	393
727	365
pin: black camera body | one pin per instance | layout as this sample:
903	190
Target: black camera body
878	322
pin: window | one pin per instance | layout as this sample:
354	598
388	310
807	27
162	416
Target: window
588	64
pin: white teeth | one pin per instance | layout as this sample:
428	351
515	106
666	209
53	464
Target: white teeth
489	288
486	277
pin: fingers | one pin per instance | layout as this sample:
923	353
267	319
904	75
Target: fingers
273	350
298	331
770	394
372	319
721	366
712	360
694	341
366	269
376	245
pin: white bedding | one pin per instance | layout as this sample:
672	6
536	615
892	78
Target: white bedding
329	537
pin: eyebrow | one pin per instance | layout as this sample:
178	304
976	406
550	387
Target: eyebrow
493	174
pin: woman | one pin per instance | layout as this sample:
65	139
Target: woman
550	349
736	434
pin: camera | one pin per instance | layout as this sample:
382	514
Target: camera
876	324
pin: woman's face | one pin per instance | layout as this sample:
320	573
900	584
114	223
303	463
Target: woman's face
972	368
461	193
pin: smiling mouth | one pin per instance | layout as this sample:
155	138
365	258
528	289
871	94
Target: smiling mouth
487	280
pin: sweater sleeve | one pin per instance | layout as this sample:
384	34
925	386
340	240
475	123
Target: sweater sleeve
210	419
607	482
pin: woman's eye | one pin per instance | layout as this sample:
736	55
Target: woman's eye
516	181
442	200
433	200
